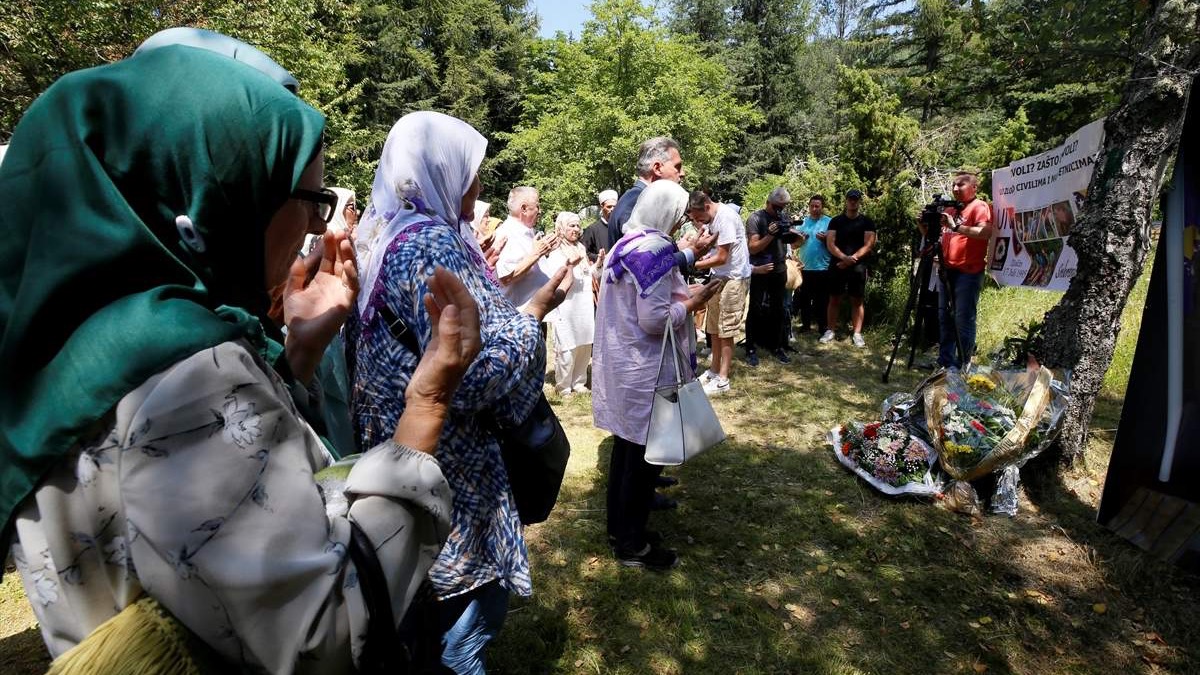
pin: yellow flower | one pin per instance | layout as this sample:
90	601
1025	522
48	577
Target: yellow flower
981	383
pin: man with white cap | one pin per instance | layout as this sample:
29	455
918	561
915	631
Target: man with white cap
595	237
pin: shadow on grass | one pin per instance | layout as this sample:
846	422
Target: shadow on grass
790	565
23	653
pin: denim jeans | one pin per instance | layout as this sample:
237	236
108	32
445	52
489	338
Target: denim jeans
965	288
480	614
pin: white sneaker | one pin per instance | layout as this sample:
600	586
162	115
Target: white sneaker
706	377
858	340
581	389
826	338
717	386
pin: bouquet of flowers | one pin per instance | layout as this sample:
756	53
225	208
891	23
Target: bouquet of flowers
982	419
887	456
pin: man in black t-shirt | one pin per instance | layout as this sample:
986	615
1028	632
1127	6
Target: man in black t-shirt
850	240
766	318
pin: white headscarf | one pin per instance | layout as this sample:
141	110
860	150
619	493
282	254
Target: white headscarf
338	224
481	214
659	207
645	251
428	164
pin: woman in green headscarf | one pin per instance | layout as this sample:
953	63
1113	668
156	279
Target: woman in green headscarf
148	443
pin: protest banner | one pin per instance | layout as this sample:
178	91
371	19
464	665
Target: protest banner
1035	203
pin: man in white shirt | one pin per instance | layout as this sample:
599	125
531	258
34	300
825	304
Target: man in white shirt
520	274
729	260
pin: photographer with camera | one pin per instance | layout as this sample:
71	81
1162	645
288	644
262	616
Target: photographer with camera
851	239
965	233
770	232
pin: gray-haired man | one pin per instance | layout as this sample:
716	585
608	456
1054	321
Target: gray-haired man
658	159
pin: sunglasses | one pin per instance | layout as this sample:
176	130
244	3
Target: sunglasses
325	201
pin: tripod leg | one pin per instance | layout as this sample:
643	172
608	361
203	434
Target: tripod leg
898	338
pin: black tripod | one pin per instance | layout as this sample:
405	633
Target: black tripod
919	280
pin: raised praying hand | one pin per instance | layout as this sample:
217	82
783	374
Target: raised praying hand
315	308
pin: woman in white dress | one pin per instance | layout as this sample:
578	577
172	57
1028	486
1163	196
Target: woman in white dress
574	321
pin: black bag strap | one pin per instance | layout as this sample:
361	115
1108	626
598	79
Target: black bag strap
383	652
399	330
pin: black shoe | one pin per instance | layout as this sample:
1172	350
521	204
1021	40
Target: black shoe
751	359
653	538
781	355
651	558
663	503
665	481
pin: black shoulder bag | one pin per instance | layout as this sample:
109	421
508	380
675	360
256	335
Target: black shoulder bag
535	452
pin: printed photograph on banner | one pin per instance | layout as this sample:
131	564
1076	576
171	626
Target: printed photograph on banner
1044	256
1036	203
999	254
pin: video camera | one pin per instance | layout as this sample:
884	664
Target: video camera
931	215
786	234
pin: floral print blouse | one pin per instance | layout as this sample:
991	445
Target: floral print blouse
504	382
199	490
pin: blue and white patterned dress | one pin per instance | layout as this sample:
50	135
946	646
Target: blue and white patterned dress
504	382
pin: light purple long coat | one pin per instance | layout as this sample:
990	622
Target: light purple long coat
628	351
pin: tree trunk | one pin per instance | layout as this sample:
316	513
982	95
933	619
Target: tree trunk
1112	235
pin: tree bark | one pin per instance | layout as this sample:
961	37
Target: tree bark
1112	235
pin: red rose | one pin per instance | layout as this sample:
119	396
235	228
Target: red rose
871	431
846	448
978	427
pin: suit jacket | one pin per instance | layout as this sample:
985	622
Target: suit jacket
620	214
624	209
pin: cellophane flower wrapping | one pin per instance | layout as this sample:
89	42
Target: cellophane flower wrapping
887	456
983	420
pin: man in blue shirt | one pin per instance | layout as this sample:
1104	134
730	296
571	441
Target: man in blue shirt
812	298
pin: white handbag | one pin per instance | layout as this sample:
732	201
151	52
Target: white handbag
683	423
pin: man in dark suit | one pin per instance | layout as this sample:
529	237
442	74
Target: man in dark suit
658	159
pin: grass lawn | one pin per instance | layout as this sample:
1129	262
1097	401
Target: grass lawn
789	564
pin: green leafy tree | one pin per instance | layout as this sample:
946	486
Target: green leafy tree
314	39
466	58
1012	141
1064	61
591	103
878	140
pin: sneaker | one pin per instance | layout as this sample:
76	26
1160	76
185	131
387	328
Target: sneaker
651	557
858	340
752	358
716	386
581	389
781	355
826	338
707	376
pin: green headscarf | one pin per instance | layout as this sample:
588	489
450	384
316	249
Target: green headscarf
98	288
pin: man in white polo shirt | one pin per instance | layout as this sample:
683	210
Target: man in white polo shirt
729	260
520	274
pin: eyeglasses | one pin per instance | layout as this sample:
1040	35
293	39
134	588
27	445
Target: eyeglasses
325	201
